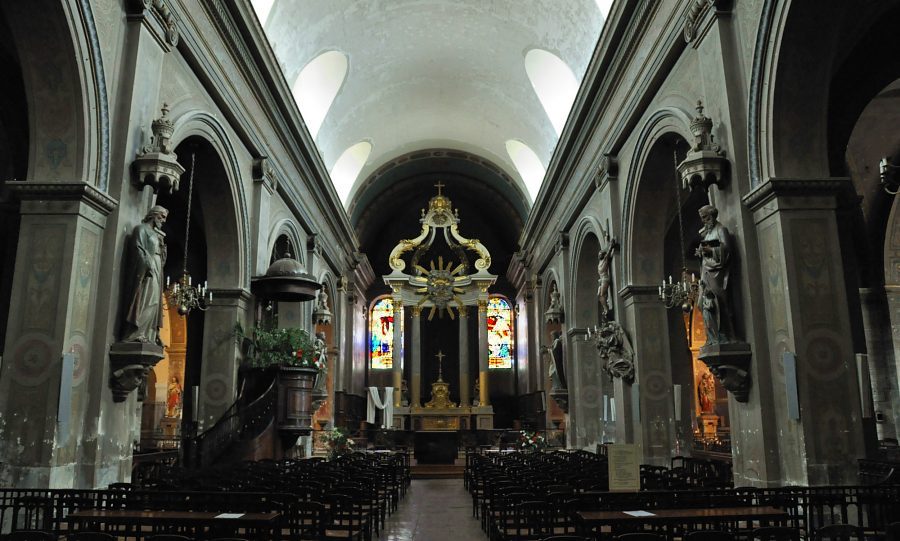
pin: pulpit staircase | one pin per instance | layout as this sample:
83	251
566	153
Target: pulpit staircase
245	427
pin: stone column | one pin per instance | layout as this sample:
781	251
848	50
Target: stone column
484	394
397	359
218	376
808	315
50	362
464	398
415	398
880	349
646	406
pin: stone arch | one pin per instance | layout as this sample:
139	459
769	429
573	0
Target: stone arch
583	282
643	229
229	233
65	85
789	112
288	228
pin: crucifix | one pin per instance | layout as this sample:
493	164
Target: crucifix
439	185
440	357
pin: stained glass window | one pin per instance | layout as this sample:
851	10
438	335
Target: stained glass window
381	334
500	333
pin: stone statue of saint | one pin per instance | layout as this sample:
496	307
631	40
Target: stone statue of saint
320	347
556	370
554	299
604	278
322	302
715	254
144	289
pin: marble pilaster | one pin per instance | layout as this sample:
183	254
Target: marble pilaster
221	357
397	360
876	310
483	353
808	316
464	386
647	404
416	368
49	357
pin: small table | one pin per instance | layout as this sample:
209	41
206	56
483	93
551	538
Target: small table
200	522
590	522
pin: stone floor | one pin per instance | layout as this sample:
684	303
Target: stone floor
434	510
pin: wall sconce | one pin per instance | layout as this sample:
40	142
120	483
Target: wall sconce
890	184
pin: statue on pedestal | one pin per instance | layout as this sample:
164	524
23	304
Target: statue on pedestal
556	369
144	286
715	254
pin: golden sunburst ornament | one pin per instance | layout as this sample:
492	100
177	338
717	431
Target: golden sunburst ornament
438	286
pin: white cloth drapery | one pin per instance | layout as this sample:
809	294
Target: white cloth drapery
387	406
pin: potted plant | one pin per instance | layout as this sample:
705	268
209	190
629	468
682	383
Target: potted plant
296	357
530	441
337	443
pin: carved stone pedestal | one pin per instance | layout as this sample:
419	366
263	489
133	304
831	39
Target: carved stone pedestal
129	363
730	363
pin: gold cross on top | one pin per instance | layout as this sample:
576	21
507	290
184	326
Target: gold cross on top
439	185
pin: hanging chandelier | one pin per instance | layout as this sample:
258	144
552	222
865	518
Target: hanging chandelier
183	294
684	292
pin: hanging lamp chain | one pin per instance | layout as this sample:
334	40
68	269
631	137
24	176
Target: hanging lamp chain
678	207
187	227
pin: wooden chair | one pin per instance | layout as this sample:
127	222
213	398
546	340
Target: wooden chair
306	520
893	532
639	536
169	537
90	536
775	533
30	535
708	535
838	532
565	538
347	520
32	513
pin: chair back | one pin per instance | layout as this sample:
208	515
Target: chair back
90	536
893	532
32	513
169	537
776	533
639	536
838	532
708	535
30	535
565	538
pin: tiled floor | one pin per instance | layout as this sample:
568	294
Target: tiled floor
434	510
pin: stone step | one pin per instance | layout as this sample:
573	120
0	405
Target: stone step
436	471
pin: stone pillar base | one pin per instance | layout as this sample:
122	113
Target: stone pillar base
730	363
129	363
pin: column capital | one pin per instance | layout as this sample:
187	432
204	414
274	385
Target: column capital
463	311
639	292
416	311
61	198
801	193
482	306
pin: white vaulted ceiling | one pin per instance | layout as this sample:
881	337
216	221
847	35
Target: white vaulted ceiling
424	74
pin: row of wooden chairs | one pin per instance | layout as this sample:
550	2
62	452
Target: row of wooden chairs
41	535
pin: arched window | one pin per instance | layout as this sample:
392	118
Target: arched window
262	9
317	86
381	334
554	83
347	168
528	164
500	333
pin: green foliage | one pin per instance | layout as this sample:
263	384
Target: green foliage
277	347
337	442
